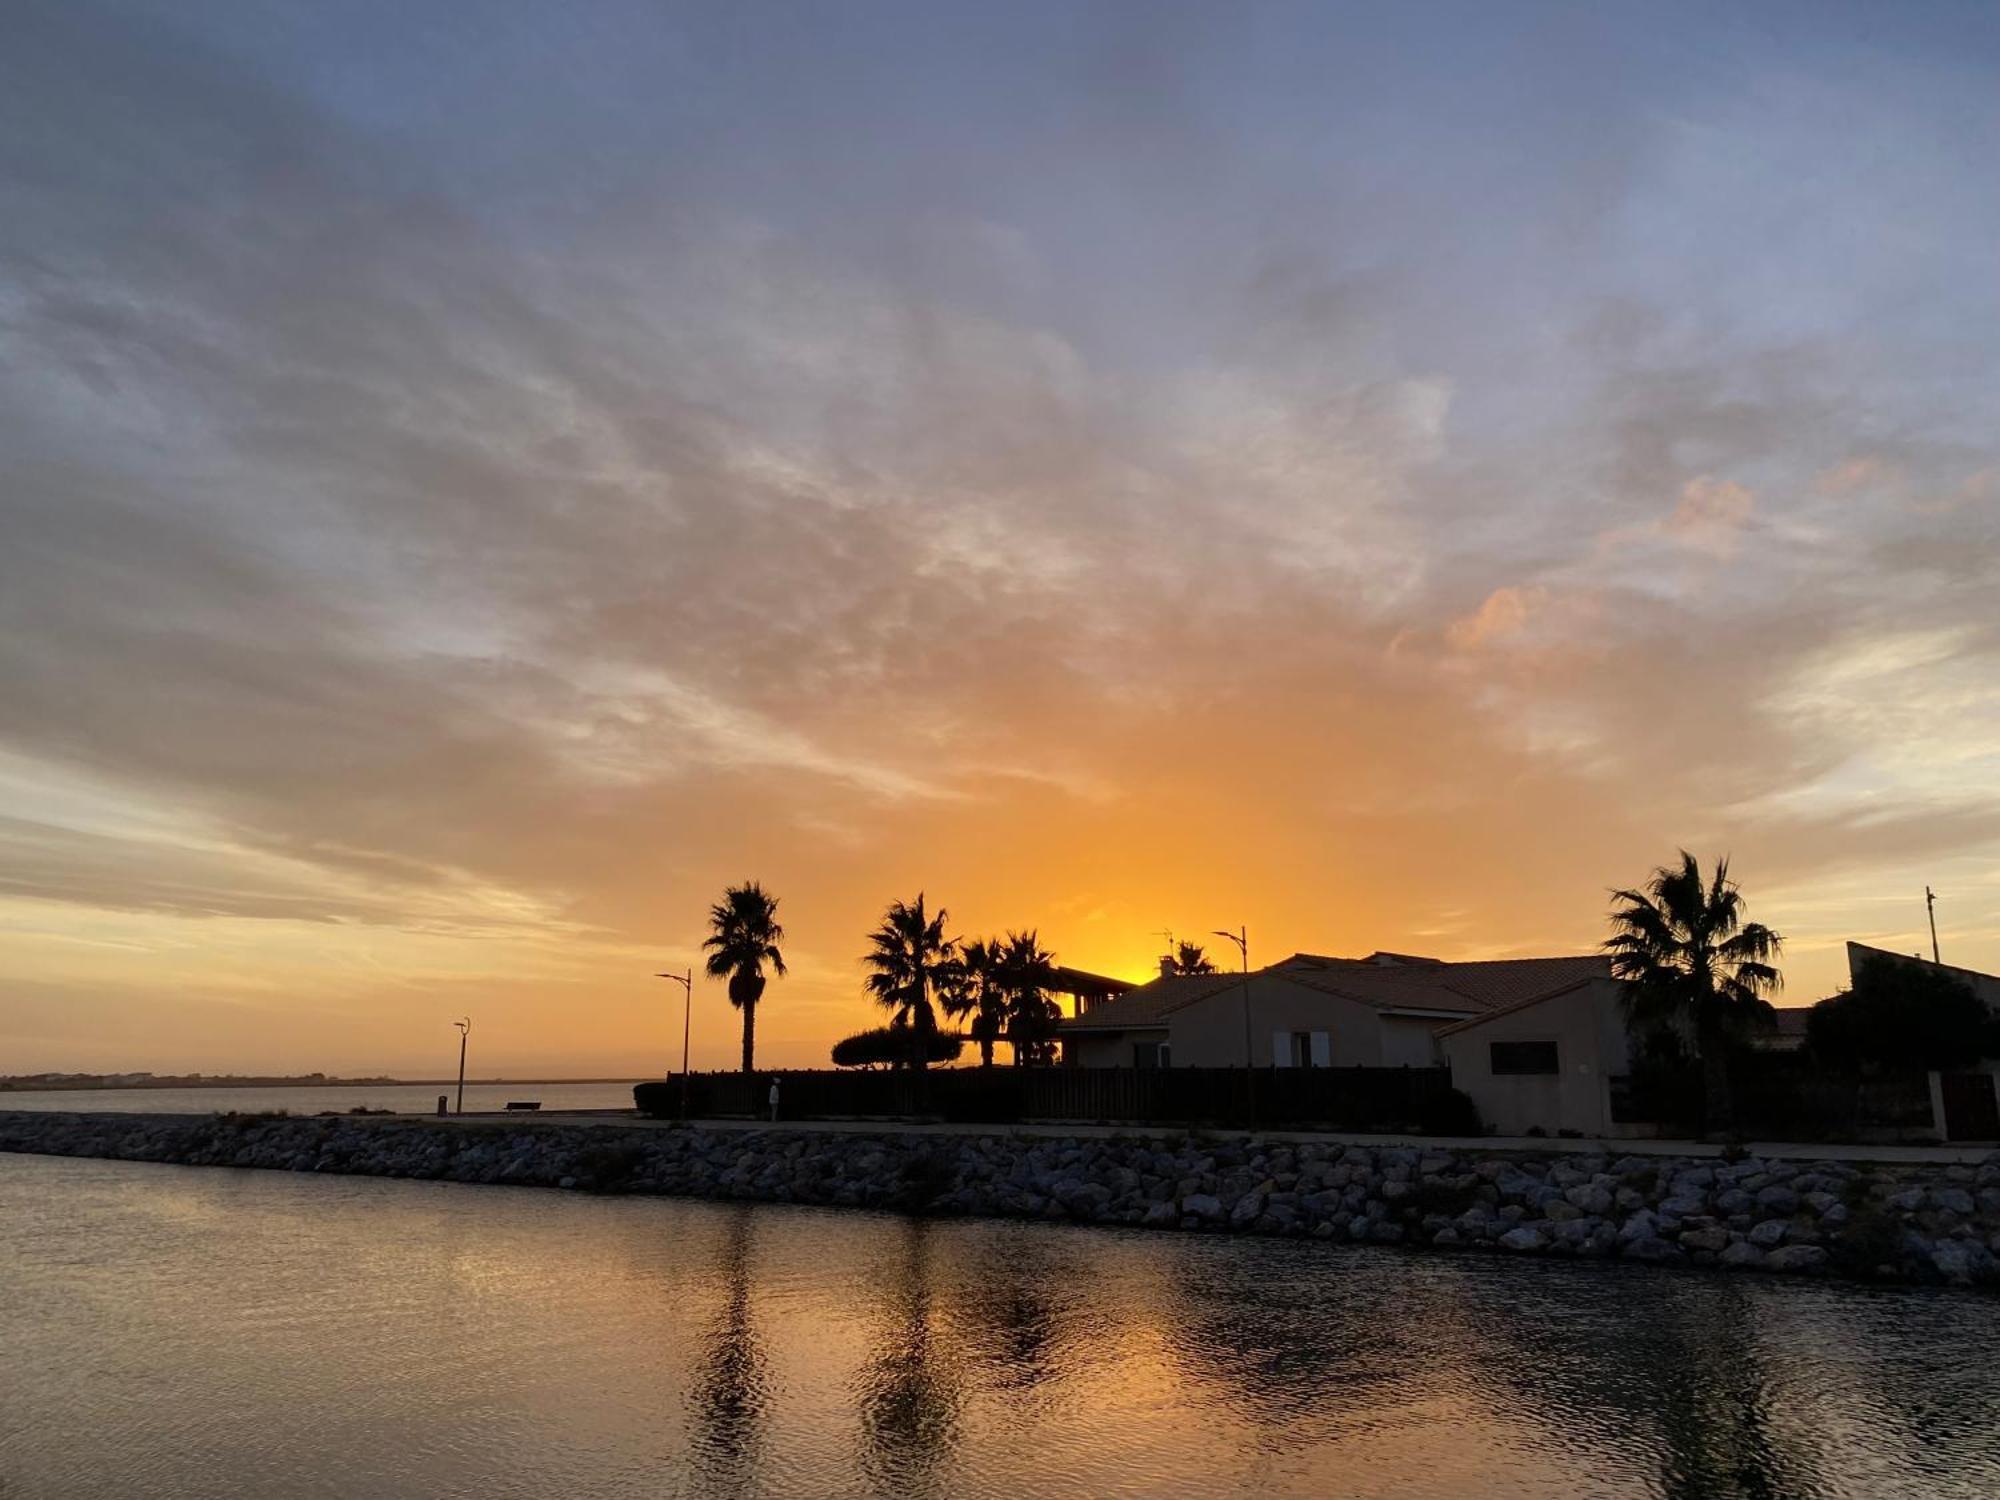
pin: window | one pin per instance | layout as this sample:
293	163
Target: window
1149	1054
1524	1057
1301	1049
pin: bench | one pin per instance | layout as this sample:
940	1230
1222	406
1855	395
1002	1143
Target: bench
523	1104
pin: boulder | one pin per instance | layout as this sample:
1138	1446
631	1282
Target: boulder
1741	1256
1770	1232
1525	1239
1203	1206
1796	1258
1705	1239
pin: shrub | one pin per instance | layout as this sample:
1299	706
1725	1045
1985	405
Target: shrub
1449	1112
889	1046
662	1101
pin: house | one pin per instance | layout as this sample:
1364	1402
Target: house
1312	1010
1965	1106
1084	989
1545	1063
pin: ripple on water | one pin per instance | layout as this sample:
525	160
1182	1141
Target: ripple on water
177	1331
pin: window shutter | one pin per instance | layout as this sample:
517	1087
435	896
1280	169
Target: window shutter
1281	1049
1322	1050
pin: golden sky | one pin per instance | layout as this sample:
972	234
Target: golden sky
465	501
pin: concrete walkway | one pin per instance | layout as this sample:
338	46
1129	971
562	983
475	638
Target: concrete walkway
1966	1154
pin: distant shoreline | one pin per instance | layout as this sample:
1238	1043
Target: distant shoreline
80	1086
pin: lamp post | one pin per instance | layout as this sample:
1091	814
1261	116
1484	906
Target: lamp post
464	1031
1242	941
686	982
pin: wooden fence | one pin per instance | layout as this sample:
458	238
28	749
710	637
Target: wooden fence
1783	1096
1382	1099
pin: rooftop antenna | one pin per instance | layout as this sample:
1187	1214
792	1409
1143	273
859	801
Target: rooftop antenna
1930	907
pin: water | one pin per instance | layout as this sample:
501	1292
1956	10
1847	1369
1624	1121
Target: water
175	1331
403	1098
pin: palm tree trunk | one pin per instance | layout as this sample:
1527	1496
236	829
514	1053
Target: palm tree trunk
986	1052
749	1039
1715	1103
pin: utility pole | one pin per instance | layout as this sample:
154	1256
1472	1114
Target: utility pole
686	982
1242	941
464	1031
1930	907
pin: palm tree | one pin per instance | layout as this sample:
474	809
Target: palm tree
1694	967
976	989
912	961
1187	958
1026	970
743	936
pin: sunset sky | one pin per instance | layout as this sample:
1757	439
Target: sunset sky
476	479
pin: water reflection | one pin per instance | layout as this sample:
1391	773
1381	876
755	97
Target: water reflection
179	1331
912	1387
729	1396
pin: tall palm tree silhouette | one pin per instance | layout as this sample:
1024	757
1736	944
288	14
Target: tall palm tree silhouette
912	964
743	936
1695	968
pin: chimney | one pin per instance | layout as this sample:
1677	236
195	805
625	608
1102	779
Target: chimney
1166	966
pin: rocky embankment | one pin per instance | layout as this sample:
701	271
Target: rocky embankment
1905	1223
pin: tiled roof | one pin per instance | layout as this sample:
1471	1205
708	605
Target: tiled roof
1468	989
1151	1004
1465	988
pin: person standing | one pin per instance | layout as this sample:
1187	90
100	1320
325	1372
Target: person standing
774	1098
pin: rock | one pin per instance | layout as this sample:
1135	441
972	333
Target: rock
1160	1216
1778	1199
1247	1208
1525	1238
1908	1201
1770	1232
1741	1256
1953	1200
1641	1226
1590	1198
1683	1206
1556	1210
1704	1239
1203	1206
1951	1261
1734	1201
1796	1258
1820	1202
1447	1236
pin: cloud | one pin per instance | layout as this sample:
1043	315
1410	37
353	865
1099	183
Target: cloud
445	539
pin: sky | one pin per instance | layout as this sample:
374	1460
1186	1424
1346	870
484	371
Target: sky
478	479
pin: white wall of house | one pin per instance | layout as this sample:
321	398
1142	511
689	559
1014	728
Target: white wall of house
1411	1041
1586	1027
1210	1034
1108	1049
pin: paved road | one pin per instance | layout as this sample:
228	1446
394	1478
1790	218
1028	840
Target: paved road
1802	1151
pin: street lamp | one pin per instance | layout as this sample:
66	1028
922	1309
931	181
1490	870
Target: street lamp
1242	941
686	982
464	1031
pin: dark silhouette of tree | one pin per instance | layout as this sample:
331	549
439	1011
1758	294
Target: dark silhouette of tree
1902	1015
889	1046
1694	967
976	990
743	936
912	964
1187	958
1026	973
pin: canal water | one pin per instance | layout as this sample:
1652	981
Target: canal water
173	1331
309	1099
